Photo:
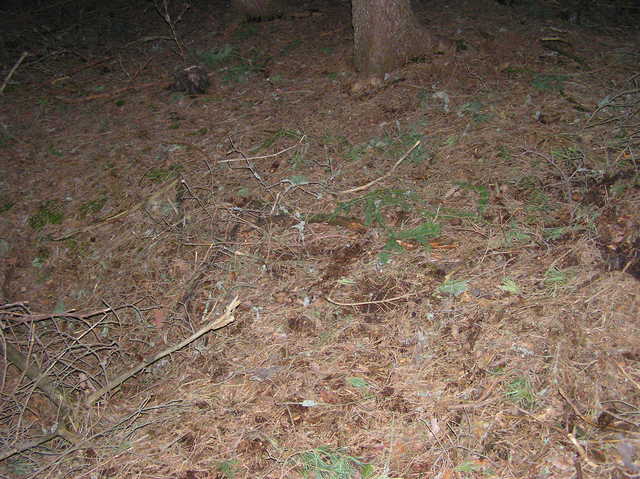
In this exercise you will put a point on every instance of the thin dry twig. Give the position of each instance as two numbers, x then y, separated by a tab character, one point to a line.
89	441
226	318
262	157
12	71
386	175
381	301
40	379
121	214
628	376
32	318
25	446
171	23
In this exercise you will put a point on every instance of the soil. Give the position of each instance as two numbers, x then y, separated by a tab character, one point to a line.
436	271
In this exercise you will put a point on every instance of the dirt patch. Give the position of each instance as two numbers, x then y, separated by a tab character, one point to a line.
437	273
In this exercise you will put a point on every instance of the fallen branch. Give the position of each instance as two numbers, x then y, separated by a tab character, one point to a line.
221	322
39	378
61	432
25	446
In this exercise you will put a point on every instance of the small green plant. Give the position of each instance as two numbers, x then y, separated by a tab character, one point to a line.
509	286
240	72
226	469
5	138
244	33
477	111
289	47
450	140
570	158
212	58
77	248
55	152
454	287
327	463
423	98
483	195
504	154
419	154
362	385
275	136
199	132
5	204
393	146
90	208
297	160
555	279
38	262
468	467
420	234
539	202
516	234
556	233
49	213
355	152
521	393
373	203
545	82
514	70
160	175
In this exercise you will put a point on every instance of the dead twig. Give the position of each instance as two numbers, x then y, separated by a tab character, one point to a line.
121	214
88	442
226	318
39	378
171	22
12	71
386	175
382	301
32	318
25	446
278	153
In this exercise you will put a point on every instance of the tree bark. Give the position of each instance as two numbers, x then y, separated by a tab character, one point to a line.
386	35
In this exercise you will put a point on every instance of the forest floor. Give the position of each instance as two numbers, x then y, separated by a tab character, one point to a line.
436	276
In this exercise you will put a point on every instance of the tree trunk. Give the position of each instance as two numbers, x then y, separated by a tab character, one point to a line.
386	35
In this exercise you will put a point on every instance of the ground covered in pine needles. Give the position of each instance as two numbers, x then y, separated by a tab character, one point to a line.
299	273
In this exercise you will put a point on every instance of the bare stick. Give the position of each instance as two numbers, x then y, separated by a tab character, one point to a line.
382	301
386	175
166	16
265	156
69	315
12	71
23	446
41	381
221	322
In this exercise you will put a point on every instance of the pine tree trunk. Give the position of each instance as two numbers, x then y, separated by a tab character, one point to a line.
386	35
